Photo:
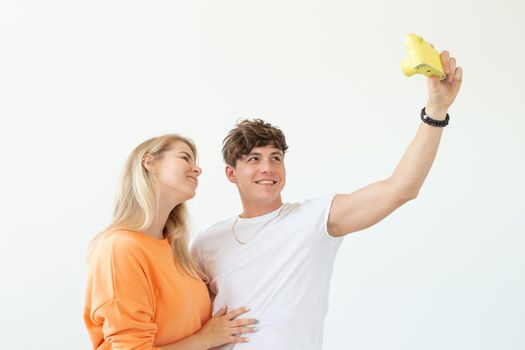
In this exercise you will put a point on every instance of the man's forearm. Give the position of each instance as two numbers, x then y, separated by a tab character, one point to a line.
413	168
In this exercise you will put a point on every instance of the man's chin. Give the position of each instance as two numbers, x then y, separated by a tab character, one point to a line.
267	198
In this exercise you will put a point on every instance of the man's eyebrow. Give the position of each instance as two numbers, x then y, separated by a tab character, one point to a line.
253	154
279	153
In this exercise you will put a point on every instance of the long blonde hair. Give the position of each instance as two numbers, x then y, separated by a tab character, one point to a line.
137	202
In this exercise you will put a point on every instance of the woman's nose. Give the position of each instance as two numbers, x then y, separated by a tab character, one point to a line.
197	170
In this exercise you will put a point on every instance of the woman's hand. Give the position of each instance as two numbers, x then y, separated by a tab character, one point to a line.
224	328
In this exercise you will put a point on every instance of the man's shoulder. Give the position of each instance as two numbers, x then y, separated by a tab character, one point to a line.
319	203
214	231
217	228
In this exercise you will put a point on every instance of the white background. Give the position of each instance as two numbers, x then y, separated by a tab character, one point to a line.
82	83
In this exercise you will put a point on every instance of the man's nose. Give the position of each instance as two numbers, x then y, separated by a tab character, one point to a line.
266	166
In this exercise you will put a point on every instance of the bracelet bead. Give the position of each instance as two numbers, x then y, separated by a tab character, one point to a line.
433	122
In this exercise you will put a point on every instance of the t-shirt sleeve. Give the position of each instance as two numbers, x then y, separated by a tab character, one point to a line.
121	297
318	210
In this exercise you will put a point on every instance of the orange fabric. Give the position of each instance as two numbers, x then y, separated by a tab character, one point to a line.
136	297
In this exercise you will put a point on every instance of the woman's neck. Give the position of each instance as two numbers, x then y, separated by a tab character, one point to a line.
156	229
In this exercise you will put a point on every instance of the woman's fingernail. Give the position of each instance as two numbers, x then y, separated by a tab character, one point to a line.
255	321
246	309
255	329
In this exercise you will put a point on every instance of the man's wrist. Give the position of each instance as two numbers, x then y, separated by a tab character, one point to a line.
436	112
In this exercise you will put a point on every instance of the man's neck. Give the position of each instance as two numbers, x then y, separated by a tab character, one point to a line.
252	209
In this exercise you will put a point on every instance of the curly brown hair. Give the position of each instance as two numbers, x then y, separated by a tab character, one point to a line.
248	134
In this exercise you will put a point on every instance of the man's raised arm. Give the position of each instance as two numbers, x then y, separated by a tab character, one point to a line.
369	205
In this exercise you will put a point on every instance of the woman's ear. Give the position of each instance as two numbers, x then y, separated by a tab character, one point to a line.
147	162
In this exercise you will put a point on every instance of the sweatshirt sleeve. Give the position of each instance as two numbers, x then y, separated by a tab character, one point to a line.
126	324
121	296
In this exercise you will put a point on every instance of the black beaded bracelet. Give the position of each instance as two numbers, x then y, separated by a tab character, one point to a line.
433	122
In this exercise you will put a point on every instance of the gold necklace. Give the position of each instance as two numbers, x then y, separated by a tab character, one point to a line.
237	218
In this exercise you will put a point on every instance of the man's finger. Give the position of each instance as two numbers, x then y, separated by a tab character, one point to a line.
445	55
459	74
452	69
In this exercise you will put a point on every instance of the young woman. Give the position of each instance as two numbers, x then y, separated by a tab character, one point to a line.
143	290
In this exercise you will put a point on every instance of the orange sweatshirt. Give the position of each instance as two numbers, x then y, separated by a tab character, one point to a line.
136	297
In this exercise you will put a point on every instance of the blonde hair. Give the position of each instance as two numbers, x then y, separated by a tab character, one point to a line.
137	202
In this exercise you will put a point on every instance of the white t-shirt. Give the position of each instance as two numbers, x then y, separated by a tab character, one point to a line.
282	274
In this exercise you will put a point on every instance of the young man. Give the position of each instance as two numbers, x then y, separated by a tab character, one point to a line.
277	258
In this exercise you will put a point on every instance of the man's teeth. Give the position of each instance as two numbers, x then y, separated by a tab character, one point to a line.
265	182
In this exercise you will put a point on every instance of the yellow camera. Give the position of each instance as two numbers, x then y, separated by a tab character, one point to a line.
422	58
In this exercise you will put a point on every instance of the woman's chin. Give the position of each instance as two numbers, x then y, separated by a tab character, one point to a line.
190	195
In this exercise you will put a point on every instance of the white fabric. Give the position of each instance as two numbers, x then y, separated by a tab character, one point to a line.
282	274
